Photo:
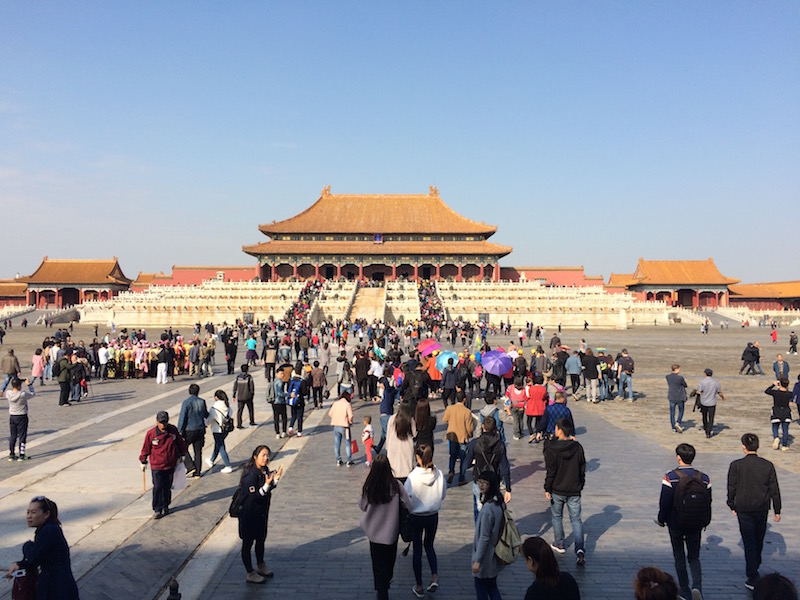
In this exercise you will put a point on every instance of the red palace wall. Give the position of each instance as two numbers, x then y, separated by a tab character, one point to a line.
196	276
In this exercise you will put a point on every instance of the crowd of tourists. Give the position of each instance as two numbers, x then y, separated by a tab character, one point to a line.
532	392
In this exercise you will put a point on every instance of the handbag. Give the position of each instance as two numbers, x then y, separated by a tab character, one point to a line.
179	477
353	446
24	585
236	505
406	530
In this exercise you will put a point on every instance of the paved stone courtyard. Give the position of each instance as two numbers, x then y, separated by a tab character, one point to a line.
85	458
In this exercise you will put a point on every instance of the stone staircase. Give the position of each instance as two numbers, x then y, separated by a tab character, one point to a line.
370	304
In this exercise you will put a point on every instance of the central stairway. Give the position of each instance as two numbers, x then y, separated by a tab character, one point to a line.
370	304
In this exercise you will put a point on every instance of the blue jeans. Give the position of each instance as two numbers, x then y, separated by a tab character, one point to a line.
6	379
384	423
672	407
339	434
486	589
557	511
457	452
219	448
76	392
784	434
623	379
603	391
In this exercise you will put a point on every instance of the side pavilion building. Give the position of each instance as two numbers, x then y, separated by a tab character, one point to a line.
60	283
381	238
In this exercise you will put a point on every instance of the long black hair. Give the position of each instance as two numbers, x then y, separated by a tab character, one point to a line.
539	551
403	421
251	462
47	505
380	485
221	395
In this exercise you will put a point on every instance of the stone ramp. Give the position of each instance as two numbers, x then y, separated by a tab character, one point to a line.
370	304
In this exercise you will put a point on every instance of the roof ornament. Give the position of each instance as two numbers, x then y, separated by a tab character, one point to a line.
326	191
434	191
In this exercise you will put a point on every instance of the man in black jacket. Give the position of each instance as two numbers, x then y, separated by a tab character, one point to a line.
489	452
563	483
244	392
752	486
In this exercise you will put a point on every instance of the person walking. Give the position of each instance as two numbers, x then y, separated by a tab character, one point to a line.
551	583
244	390
752	487
563	485
47	554
685	509
220	410
37	366
380	500
708	389
488	451
255	495
625	368
10	367
485	564
460	427
400	434
341	415
780	367
192	425
781	412
18	417
516	398
278	401
676	394
426	488
163	446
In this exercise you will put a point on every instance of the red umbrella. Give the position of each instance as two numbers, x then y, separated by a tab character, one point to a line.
428	346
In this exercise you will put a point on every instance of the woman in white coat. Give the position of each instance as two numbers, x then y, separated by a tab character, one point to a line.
220	409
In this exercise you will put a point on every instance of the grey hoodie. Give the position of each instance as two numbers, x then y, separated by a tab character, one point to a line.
18	401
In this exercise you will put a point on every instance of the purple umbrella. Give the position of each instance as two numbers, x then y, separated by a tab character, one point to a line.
496	362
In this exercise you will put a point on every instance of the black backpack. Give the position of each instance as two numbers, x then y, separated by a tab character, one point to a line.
57	368
414	390
691	504
558	370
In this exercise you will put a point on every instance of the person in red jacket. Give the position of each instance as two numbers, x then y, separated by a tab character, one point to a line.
164	446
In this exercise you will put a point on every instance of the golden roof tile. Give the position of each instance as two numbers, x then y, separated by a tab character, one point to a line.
78	272
679	272
378	213
775	289
368	248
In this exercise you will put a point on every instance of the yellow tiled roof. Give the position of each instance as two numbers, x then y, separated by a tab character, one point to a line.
78	272
620	280
12	288
777	289
378	213
369	248
679	272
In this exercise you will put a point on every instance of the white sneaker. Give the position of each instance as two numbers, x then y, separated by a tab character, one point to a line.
776	443
290	432
277	436
299	434
209	462
226	470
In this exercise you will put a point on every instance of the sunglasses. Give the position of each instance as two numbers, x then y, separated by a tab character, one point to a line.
45	500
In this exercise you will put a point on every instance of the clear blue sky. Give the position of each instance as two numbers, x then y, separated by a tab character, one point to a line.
590	133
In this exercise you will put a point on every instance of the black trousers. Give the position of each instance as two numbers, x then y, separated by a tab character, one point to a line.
247	559
240	411
708	418
279	417
316	394
448	396
269	371
195	438
162	489
373	386
692	553
363	388
383	559
576	382
63	396
18	425
753	527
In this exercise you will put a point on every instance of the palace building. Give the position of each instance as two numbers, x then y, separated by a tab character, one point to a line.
60	283
379	238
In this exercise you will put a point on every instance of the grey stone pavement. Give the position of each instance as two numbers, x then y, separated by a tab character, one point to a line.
85	458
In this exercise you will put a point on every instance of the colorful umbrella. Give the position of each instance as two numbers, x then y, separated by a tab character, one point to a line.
496	362
428	346
441	360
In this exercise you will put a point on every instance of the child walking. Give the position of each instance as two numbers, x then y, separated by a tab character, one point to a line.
367	438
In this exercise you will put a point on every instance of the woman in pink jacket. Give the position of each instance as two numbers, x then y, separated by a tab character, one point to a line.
38	366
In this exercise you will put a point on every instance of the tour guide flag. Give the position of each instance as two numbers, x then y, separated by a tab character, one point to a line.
377	349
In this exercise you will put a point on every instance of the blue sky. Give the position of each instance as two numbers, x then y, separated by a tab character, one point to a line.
589	133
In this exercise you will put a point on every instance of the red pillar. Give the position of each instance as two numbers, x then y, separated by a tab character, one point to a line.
316	271
459	277
438	272
394	272
361	272
59	299
273	273
695	298
294	270
338	271
496	272
416	272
